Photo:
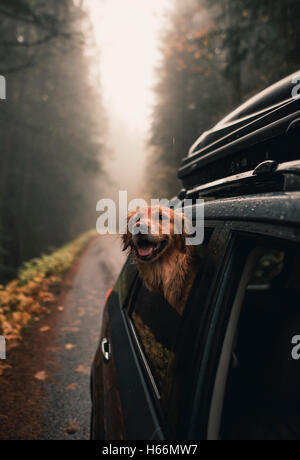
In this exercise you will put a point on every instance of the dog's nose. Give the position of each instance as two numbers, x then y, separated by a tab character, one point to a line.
140	228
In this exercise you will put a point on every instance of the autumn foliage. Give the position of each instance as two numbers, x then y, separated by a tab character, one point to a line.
32	293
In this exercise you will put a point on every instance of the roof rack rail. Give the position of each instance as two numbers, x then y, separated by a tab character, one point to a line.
269	176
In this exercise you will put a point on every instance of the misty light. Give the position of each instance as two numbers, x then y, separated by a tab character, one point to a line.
128	35
128	32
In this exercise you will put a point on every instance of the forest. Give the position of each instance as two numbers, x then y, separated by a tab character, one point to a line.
51	128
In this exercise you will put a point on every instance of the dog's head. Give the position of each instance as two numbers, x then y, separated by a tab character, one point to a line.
154	231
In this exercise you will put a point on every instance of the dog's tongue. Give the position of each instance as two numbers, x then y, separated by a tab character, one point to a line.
143	252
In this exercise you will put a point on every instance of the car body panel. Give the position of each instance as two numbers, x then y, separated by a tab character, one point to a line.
120	394
108	420
274	207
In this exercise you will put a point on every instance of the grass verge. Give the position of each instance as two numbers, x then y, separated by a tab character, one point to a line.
32	292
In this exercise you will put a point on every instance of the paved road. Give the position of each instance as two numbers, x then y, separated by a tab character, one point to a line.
67	398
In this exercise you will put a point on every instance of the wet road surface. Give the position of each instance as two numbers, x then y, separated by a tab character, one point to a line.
67	398
45	391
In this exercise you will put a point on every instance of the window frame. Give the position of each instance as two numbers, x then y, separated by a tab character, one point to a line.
217	228
239	231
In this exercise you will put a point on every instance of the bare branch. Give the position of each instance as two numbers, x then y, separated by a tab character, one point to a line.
26	14
27	43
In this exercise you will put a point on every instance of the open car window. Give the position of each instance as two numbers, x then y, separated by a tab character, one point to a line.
158	328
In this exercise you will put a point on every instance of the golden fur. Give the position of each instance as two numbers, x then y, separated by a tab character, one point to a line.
171	270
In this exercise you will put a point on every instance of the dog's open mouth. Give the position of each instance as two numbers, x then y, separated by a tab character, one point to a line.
147	250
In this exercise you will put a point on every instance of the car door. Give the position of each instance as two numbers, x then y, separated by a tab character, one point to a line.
249	375
144	381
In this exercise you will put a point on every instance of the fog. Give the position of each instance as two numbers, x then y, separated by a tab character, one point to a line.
127	35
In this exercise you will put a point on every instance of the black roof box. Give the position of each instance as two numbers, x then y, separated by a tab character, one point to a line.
267	127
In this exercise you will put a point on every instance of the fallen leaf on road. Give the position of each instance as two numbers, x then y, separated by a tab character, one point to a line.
71	427
83	369
11	344
72	386
42	375
45	329
47	297
53	349
3	367
69	346
60	308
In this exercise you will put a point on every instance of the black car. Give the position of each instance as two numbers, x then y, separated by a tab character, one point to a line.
235	371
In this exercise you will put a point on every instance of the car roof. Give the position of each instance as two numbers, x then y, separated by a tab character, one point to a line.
280	207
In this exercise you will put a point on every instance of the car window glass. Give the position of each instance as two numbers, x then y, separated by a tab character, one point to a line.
269	265
262	399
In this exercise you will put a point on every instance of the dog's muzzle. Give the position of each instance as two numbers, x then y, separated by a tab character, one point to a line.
148	247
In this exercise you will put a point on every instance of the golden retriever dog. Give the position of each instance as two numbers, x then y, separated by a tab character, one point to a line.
165	263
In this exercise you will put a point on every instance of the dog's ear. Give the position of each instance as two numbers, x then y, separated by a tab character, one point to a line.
126	240
127	237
